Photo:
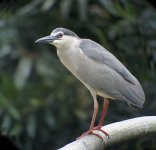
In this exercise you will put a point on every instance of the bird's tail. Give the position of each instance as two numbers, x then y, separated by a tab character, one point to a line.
135	95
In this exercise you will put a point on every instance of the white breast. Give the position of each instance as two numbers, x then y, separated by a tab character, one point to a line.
67	58
68	55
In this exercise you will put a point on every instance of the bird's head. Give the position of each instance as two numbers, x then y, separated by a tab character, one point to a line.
59	37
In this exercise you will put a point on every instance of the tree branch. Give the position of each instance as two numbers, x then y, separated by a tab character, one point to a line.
119	132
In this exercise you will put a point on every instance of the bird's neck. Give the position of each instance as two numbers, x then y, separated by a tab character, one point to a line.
67	54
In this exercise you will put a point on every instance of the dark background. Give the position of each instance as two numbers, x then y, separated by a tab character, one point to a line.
42	105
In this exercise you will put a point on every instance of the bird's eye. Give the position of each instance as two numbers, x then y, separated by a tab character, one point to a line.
60	35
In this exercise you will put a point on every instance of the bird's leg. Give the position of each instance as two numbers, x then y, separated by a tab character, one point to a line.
103	114
104	111
96	106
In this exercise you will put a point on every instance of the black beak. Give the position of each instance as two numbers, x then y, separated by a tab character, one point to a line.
47	39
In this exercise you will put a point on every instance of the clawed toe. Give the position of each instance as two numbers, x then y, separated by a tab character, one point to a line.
91	132
103	131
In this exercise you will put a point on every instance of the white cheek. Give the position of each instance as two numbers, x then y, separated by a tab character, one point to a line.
56	42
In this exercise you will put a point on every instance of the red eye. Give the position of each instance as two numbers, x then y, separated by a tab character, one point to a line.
60	35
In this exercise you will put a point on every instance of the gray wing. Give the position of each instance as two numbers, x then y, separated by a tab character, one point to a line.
113	78
97	53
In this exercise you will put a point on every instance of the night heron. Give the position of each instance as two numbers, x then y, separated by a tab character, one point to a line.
99	70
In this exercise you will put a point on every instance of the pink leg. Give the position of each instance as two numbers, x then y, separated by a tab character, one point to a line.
96	106
103	114
104	111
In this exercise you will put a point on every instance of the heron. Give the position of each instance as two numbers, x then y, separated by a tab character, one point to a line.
98	69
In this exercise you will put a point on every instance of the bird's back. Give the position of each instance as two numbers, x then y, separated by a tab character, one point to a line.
106	74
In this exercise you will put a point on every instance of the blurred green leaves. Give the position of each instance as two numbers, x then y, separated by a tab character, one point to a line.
41	103
22	72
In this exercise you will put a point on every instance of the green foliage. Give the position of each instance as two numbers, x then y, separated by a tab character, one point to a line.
41	104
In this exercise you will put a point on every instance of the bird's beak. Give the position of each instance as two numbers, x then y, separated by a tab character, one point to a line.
47	39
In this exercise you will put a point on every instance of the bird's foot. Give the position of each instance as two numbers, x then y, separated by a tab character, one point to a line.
103	131
91	132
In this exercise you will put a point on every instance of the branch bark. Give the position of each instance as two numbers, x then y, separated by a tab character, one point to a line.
119	132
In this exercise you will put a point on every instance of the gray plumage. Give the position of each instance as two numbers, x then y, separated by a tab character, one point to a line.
99	70
65	31
110	75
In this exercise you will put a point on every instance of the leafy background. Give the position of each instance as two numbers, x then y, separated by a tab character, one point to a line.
43	106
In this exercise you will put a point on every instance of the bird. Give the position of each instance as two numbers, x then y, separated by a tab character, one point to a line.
99	70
